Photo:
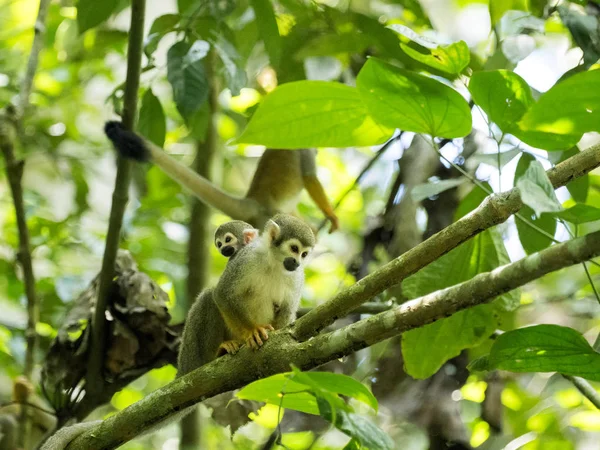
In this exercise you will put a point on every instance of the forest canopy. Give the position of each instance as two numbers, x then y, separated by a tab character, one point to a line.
443	153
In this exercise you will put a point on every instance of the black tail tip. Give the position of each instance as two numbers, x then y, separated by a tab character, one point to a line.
128	144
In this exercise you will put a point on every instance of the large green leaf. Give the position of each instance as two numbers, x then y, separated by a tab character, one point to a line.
402	99
543	348
579	214
267	28
531	239
152	122
506	97
91	13
338	384
585	29
159	28
313	114
451	58
446	338
569	107
185	72
357	426
296	395
536	189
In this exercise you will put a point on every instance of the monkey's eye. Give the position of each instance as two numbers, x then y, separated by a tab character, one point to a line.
219	244
304	254
294	248
228	239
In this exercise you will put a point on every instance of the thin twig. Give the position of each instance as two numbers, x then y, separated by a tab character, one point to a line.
94	376
586	389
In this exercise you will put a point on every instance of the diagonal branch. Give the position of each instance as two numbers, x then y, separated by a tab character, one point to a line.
493	210
94	378
231	372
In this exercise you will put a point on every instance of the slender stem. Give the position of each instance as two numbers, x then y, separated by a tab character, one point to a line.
586	389
32	64
94	377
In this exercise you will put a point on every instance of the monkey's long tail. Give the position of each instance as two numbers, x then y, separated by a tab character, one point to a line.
128	144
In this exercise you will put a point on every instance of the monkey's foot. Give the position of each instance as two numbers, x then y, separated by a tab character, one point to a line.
257	335
230	347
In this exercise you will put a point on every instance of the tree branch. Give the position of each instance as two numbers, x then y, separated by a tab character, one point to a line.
493	210
94	374
586	389
231	372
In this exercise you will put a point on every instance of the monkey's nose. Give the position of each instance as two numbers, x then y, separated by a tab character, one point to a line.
227	251
290	264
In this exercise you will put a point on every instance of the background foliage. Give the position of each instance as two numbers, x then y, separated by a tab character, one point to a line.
405	65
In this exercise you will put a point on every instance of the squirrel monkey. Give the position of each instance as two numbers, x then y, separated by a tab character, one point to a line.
279	178
205	332
260	288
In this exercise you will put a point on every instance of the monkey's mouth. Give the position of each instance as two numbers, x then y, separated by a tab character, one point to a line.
290	264
227	251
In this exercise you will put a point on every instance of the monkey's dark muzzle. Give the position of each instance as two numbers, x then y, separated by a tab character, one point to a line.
290	264
227	251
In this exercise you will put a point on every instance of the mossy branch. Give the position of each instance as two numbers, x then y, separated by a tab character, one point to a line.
94	375
231	372
493	210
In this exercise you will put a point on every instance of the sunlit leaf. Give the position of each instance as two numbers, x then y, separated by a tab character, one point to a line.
544	348
91	13
451	58
499	7
570	107
295	395
152	124
398	98
313	114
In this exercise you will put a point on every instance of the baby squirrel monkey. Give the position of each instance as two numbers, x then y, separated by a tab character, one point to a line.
279	179
205	333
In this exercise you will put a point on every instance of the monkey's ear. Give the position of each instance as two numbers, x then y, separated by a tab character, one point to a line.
249	235
272	230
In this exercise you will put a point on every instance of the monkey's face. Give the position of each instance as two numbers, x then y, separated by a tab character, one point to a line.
292	254
227	244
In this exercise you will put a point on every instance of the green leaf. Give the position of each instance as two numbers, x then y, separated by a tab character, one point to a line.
446	338
398	98
356	426
491	159
313	114
472	200
422	191
185	72
451	58
545	348
161	26
569	107
499	7
337	384
91	13
506	97
296	395
531	239
579	214
234	69
267	29
537	191
152	122
409	33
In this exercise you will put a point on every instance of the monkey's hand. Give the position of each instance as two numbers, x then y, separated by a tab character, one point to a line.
230	347
335	223
257	335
